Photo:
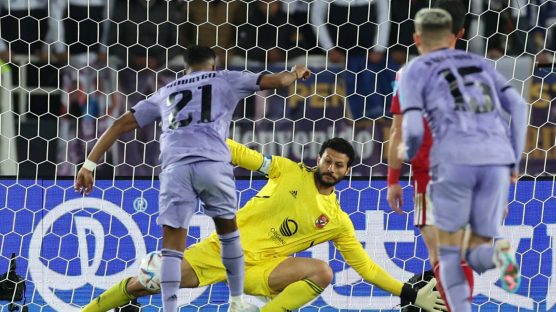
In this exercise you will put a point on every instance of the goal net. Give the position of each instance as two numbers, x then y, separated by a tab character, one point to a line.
70	68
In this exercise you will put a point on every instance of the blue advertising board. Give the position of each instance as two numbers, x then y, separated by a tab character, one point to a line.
70	248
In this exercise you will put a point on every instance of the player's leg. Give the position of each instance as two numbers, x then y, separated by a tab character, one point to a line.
467	269
429	235
189	279
232	255
113	297
173	243
480	253
424	221
177	203
297	281
130	288
215	185
454	282
451	192
486	217
423	217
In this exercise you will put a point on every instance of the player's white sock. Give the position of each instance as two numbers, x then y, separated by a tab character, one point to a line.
236	299
232	258
480	258
170	276
453	279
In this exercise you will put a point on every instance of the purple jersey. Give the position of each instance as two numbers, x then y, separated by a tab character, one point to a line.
468	105
196	111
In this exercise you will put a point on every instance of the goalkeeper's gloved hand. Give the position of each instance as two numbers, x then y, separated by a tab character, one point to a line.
426	298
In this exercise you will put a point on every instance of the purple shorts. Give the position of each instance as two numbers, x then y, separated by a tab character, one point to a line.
474	195
183	186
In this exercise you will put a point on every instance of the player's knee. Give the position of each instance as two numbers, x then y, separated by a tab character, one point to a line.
323	274
428	234
433	256
225	225
189	278
328	275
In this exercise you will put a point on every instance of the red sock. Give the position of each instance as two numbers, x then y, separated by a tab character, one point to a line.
468	272
436	269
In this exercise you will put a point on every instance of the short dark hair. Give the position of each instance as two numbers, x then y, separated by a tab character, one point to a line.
195	55
433	25
456	9
339	145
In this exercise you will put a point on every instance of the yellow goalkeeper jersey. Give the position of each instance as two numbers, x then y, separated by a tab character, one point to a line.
289	215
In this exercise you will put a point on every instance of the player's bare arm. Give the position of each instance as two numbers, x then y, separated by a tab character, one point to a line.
518	109
284	79
395	193
126	123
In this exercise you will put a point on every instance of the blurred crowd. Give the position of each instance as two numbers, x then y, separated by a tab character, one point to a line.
107	55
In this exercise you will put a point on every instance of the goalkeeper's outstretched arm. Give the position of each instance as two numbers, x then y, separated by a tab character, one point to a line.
426	298
359	260
124	124
245	157
252	160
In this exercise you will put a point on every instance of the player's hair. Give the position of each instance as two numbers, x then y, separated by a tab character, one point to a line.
339	145
457	11
196	55
433	25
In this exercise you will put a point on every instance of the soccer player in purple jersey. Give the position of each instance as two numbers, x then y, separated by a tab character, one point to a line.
196	111
478	123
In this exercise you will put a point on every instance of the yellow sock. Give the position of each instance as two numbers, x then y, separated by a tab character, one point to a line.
293	297
112	298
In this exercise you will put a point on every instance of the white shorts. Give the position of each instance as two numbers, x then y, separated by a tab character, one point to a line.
183	186
422	206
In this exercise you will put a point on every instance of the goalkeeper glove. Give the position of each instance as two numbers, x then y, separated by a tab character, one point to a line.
426	298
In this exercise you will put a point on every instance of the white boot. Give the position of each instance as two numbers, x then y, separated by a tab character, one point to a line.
238	305
242	307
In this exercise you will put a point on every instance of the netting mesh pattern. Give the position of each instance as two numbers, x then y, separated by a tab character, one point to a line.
70	68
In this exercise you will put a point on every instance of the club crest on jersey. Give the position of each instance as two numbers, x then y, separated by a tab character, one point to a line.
321	221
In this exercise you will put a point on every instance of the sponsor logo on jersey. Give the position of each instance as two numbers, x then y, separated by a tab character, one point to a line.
288	227
276	237
321	221
294	194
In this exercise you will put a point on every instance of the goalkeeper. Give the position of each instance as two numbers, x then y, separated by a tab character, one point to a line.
295	210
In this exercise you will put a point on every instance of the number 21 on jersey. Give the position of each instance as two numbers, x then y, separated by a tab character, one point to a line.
187	98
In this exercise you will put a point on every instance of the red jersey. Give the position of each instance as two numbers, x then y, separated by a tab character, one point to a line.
420	163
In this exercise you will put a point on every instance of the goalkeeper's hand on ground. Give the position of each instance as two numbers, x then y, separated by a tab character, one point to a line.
426	298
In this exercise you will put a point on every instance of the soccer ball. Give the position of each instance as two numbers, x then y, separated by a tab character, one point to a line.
149	271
